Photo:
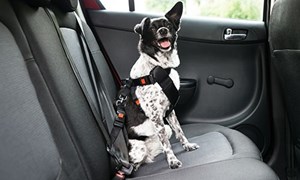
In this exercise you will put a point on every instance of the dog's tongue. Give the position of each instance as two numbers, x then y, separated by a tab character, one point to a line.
165	44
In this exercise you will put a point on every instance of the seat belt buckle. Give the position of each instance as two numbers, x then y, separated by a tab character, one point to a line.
123	167
127	168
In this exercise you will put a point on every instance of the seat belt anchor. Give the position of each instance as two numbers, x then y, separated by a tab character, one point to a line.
119	176
127	168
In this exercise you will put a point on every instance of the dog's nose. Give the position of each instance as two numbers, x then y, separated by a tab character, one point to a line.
163	31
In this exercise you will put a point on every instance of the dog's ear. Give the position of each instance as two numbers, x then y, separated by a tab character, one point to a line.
175	14
144	25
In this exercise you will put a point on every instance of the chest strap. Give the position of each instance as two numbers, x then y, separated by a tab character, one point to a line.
157	75
160	76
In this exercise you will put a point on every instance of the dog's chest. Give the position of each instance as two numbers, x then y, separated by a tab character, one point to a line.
152	99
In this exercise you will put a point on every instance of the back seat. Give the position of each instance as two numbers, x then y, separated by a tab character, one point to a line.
47	128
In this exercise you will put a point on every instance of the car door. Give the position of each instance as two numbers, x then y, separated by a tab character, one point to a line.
223	70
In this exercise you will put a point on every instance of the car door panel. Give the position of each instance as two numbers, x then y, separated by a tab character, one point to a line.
208	63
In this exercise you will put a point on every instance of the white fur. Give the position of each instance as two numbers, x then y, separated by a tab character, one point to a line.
155	103
147	150
145	129
145	64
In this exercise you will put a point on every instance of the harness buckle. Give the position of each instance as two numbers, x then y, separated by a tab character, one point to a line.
119	122
120	119
143	81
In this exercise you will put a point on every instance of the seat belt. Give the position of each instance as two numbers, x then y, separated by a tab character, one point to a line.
122	166
101	87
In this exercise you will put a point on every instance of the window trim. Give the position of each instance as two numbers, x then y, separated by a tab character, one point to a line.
265	14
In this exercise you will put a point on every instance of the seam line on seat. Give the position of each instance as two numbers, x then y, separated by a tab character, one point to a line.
231	145
29	59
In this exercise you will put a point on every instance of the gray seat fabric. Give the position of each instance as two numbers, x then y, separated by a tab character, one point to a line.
217	143
48	131
284	40
87	150
27	147
232	143
245	169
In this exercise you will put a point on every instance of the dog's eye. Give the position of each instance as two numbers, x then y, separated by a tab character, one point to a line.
169	26
152	29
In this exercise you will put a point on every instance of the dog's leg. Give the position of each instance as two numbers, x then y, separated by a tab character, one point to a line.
173	122
163	137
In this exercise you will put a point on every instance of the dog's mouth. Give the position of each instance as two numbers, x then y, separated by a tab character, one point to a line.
164	43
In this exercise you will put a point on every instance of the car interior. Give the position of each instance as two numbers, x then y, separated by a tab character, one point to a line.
62	63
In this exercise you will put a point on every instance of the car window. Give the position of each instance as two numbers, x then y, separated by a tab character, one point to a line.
235	9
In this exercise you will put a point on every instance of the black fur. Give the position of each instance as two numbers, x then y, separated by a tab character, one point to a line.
148	31
157	47
134	116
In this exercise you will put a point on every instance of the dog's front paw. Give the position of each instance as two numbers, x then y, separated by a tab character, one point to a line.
175	163
190	146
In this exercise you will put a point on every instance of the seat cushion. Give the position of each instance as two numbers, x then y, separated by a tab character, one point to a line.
217	144
233	169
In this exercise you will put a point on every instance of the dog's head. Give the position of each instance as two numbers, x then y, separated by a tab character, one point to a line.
160	34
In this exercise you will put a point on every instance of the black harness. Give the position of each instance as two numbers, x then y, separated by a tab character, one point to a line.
157	75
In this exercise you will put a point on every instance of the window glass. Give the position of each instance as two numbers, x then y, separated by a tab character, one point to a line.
235	9
115	5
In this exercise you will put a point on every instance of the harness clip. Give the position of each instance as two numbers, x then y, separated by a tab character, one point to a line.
120	119
121	100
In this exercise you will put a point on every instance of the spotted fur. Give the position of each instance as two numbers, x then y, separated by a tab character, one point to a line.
157	47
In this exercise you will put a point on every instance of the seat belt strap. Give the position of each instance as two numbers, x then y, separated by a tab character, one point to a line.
78	77
126	167
100	84
121	164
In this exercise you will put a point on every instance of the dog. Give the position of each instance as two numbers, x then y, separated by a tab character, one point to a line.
148	135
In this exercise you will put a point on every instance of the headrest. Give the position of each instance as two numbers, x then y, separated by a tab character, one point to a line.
66	5
38	3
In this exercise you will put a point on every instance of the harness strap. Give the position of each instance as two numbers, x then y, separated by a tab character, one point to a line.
160	76
157	75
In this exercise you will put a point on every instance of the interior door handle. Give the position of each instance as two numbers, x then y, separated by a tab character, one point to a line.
229	35
220	81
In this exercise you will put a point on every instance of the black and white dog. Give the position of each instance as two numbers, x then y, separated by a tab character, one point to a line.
148	135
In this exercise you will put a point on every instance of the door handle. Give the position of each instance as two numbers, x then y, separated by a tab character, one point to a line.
220	81
230	36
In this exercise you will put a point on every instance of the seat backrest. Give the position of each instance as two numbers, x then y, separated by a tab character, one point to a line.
28	149
284	37
59	128
61	82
